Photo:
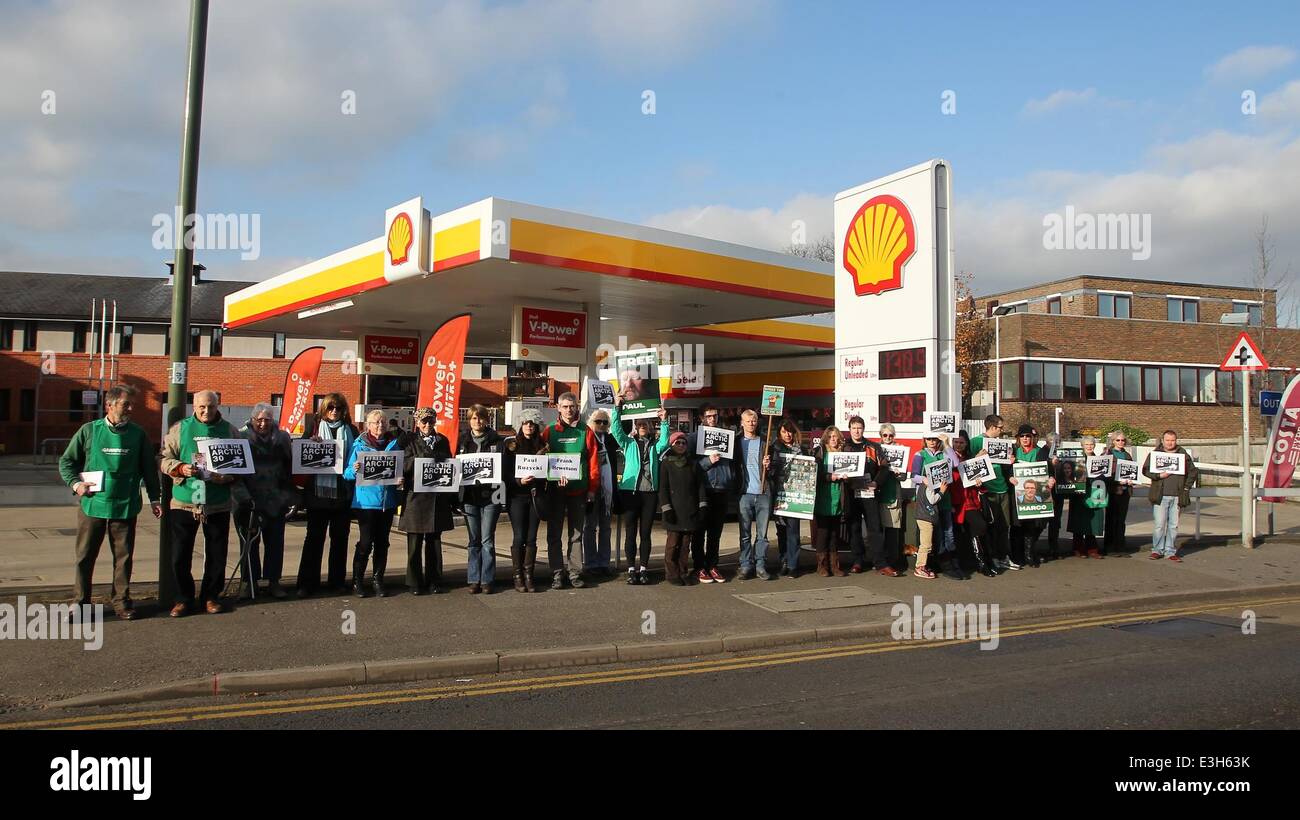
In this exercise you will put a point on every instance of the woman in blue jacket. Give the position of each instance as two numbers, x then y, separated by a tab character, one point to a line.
375	504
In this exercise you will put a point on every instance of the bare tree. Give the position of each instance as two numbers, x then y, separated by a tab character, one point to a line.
822	249
1267	278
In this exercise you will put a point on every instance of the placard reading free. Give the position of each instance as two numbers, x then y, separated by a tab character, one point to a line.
317	457
379	467
436	475
226	456
773	401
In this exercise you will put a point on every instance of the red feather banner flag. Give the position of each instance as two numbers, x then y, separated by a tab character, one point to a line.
440	375
298	384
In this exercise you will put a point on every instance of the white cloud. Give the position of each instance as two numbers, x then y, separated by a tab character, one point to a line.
1282	105
1060	99
1205	195
1250	62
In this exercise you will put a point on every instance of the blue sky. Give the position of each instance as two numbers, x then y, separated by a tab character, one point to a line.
763	111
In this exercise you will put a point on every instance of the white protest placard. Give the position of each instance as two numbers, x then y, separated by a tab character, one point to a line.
317	457
1164	462
226	456
1101	466
850	465
94	481
564	465
530	466
597	395
436	475
938	472
1127	472
999	450
379	468
479	468
941	422
715	440
976	469
898	456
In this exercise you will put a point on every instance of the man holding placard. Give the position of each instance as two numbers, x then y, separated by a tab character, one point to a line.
719	491
1172	473
755	469
999	492
104	464
568	497
199	498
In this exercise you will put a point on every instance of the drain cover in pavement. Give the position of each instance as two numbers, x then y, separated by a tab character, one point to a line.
1181	628
804	600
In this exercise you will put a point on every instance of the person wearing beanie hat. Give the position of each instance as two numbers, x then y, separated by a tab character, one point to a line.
682	501
525	497
639	486
425	516
1024	534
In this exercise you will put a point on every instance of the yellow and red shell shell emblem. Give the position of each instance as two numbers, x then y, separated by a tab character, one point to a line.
880	239
400	237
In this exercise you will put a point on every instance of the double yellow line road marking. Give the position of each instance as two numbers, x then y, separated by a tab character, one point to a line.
157	717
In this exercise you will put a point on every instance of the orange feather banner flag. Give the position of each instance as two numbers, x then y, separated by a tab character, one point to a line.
440	375
298	389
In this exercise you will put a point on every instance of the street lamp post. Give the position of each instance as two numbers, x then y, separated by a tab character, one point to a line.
181	270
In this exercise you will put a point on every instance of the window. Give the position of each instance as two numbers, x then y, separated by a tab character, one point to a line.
1114	305
126	341
214	349
1114	383
7	334
277	399
196	335
1011	381
1169	384
1224	384
1092	388
29	335
1256	312
277	350
1187	387
79	337
1151	384
1052	381
74	406
1132	383
4	404
1072	392
27	405
1033	381
1184	310
1054	305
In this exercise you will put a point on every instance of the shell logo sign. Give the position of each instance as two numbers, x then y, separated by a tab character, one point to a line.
400	237
881	239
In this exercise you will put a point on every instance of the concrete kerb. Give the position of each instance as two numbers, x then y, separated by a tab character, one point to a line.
415	669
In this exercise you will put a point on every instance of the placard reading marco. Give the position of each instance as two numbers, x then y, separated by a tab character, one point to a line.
1032	497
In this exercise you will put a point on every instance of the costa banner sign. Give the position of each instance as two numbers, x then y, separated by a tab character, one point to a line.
298	389
444	358
1282	451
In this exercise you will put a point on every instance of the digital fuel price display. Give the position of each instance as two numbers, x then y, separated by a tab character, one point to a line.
902	408
908	363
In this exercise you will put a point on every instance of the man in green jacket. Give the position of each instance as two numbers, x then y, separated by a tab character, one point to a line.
199	498
104	465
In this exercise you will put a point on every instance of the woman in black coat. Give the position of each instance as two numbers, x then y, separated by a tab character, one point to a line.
525	497
425	516
682	500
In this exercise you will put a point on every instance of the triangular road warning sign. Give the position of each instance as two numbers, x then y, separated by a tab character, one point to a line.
1244	355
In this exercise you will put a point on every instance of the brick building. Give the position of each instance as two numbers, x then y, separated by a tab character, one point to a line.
1137	351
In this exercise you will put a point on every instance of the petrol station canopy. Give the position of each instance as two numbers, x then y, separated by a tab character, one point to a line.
643	285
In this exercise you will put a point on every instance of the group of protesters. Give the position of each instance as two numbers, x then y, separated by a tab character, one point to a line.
635	474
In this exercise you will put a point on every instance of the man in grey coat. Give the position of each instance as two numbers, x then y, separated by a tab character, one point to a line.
1169	493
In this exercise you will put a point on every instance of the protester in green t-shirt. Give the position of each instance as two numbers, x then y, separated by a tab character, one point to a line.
116	453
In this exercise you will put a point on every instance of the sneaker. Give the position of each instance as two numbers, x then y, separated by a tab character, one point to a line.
1013	565
1175	558
761	574
717	577
576	582
557	581
643	576
1094	554
632	578
1155	556
888	572
922	572
704	577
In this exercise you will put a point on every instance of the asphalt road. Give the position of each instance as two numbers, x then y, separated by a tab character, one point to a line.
1190	668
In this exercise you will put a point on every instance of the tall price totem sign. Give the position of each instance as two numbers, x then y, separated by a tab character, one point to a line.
894	302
